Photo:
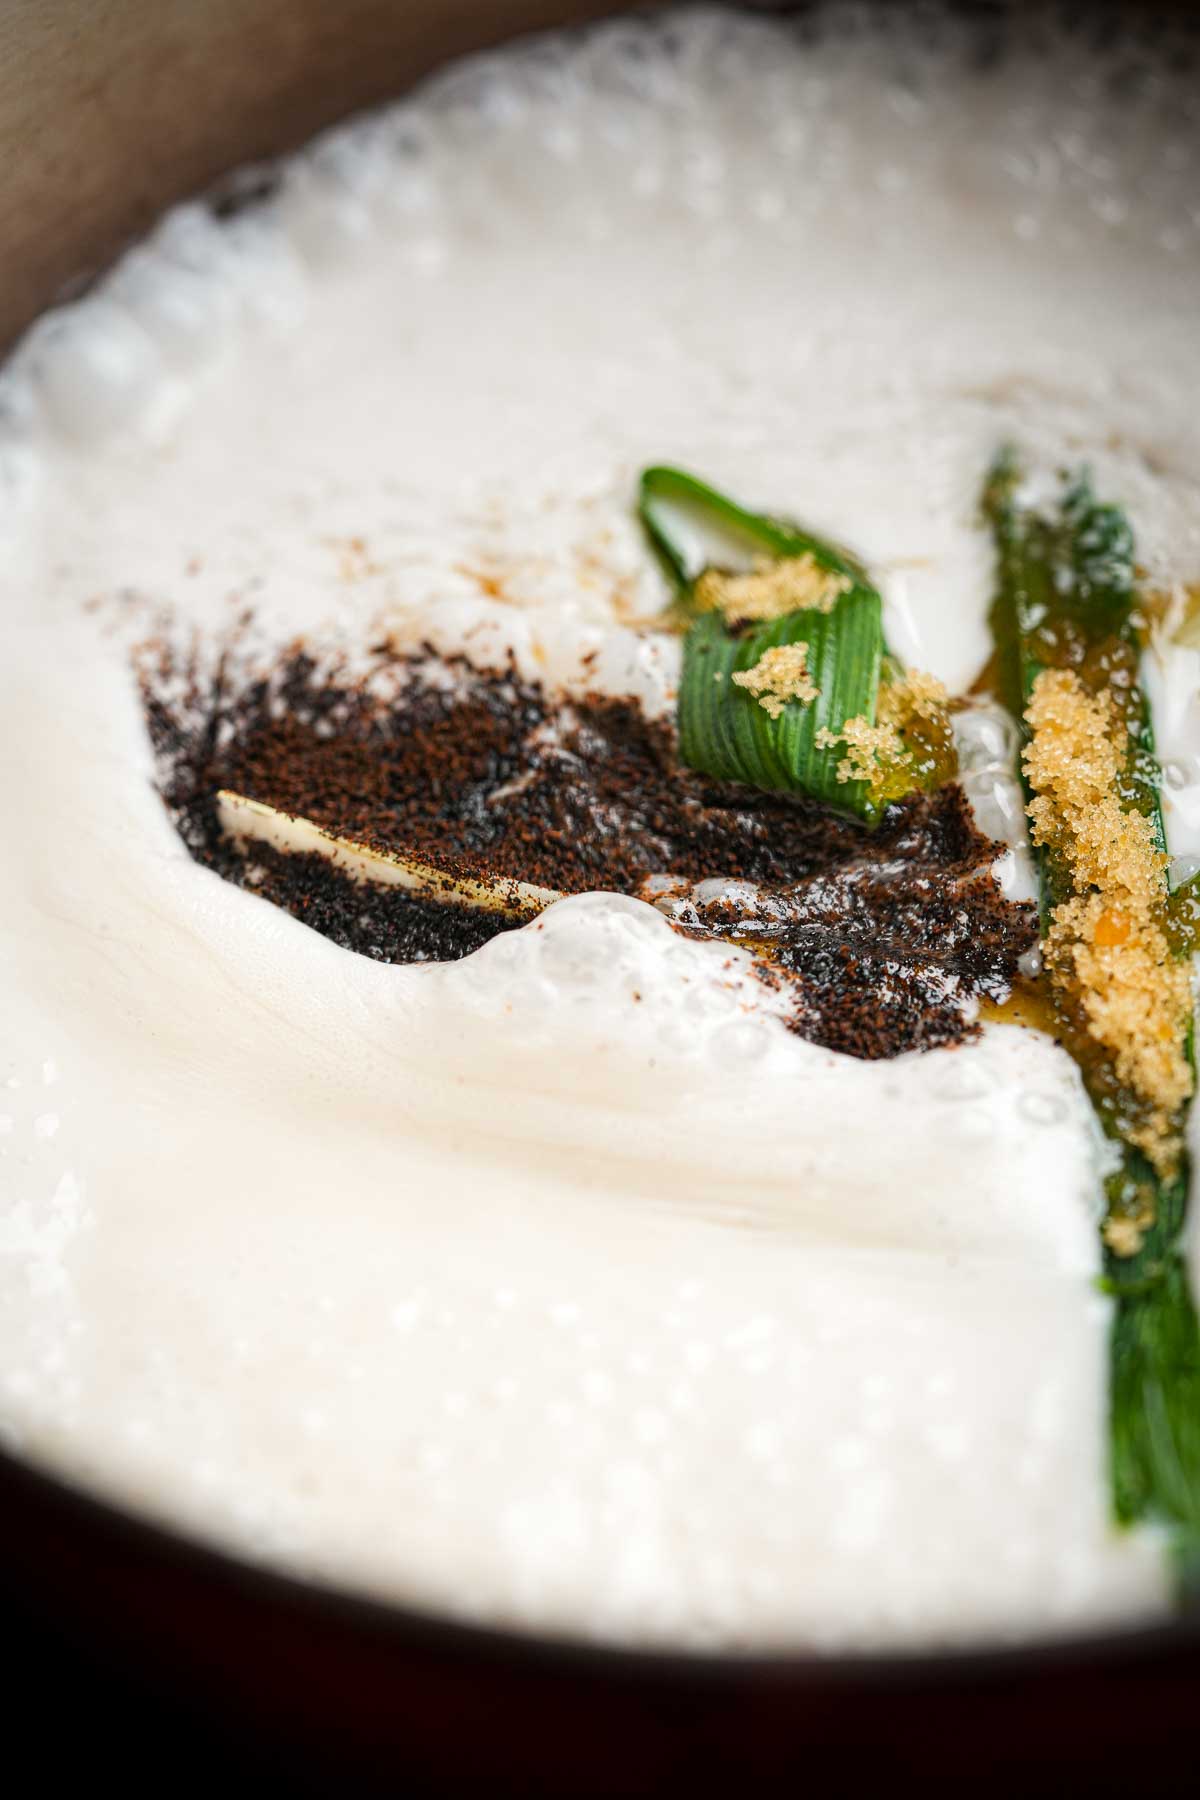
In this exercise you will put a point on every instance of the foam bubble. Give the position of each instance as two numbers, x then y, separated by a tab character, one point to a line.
95	368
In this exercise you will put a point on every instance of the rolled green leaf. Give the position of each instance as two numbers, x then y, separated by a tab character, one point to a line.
724	730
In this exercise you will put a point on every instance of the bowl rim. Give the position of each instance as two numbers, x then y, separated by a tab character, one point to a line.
90	1515
35	1490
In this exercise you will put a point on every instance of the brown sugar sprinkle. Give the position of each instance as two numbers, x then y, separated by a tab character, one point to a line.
780	674
890	935
911	739
1107	952
869	749
772	588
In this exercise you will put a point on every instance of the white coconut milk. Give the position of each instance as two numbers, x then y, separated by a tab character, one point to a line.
562	1287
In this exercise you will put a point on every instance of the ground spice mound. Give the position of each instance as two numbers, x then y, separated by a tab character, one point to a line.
888	942
374	921
889	935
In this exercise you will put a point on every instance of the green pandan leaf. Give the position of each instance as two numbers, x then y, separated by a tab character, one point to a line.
723	728
1066	574
670	501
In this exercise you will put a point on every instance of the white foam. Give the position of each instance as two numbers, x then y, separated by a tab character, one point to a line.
563	1286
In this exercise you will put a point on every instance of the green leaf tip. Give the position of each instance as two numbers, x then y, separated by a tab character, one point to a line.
669	497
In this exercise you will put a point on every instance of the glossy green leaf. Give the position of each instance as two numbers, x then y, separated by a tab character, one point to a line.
1074	568
723	730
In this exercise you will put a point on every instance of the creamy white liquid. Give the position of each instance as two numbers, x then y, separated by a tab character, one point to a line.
563	1287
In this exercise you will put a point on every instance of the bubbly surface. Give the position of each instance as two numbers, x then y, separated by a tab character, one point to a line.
561	1286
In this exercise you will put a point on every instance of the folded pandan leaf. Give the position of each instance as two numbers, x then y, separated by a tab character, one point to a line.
748	712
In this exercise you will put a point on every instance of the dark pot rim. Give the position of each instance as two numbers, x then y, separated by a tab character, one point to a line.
62	1504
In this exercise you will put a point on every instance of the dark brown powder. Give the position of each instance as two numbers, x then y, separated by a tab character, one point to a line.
381	922
886	933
